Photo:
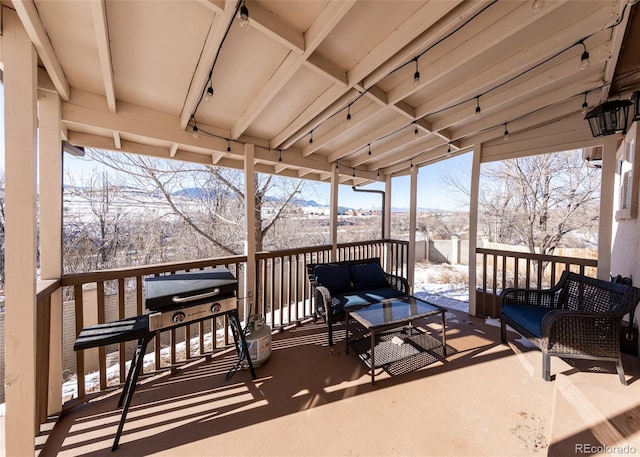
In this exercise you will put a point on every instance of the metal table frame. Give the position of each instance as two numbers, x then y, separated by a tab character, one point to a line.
137	328
390	323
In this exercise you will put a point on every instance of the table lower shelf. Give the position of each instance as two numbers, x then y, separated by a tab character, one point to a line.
398	352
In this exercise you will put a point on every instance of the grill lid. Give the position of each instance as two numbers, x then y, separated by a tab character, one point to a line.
189	289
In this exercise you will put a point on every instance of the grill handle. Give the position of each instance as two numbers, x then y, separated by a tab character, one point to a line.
179	299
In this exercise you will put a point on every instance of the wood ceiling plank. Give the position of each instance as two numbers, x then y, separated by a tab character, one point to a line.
532	87
470	85
472	40
361	117
370	137
377	56
527	108
421	20
330	16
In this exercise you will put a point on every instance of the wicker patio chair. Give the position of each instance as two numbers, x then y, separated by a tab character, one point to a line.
580	317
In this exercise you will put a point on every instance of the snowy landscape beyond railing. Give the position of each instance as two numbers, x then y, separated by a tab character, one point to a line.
282	297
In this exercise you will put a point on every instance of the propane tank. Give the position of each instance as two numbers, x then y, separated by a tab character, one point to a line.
258	338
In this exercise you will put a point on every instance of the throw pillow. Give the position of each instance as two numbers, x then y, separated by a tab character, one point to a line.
334	277
368	276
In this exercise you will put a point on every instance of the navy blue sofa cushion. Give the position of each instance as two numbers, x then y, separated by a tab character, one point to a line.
336	278
367	276
362	297
529	317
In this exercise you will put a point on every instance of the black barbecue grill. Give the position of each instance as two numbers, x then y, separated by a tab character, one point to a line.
173	301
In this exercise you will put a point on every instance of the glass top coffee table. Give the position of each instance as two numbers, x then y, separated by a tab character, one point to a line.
385	321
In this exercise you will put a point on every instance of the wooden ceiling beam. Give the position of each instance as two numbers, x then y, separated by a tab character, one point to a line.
209	51
99	13
28	14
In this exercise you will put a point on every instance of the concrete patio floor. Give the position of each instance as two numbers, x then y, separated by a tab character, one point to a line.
486	399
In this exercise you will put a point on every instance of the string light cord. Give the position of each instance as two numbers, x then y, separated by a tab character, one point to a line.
413	60
476	97
215	59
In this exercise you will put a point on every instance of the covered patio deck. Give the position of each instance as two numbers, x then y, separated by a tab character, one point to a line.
310	399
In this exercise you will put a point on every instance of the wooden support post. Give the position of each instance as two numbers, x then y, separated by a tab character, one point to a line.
250	220
473	226
20	83
50	149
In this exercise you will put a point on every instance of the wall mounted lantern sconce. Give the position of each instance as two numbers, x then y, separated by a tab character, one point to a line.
636	105
609	117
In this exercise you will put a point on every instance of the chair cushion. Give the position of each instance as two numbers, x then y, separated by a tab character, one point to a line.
527	316
336	278
367	276
340	301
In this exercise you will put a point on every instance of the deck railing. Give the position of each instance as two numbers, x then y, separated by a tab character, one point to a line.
282	298
502	269
282	289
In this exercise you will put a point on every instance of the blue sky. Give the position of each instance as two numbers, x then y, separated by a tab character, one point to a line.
432	193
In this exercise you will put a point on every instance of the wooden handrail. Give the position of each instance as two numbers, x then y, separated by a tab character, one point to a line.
73	279
496	275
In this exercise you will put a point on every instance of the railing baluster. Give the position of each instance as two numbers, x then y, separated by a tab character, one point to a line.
102	351
121	346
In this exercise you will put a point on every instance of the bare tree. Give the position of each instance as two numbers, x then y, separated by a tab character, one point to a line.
536	201
96	234
214	208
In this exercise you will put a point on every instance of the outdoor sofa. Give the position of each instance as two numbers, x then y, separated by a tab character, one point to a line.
348	283
580	317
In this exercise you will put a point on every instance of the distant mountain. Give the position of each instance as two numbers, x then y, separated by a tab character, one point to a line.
199	192
208	193
420	210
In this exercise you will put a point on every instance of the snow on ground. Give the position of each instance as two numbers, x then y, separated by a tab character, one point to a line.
444	285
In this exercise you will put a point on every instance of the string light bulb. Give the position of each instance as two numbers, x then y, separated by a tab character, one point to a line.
416	75
209	92
228	147
369	148
584	58
244	16
448	149
311	138
505	137
585	105
478	110
537	5
349	115
280	157
195	133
